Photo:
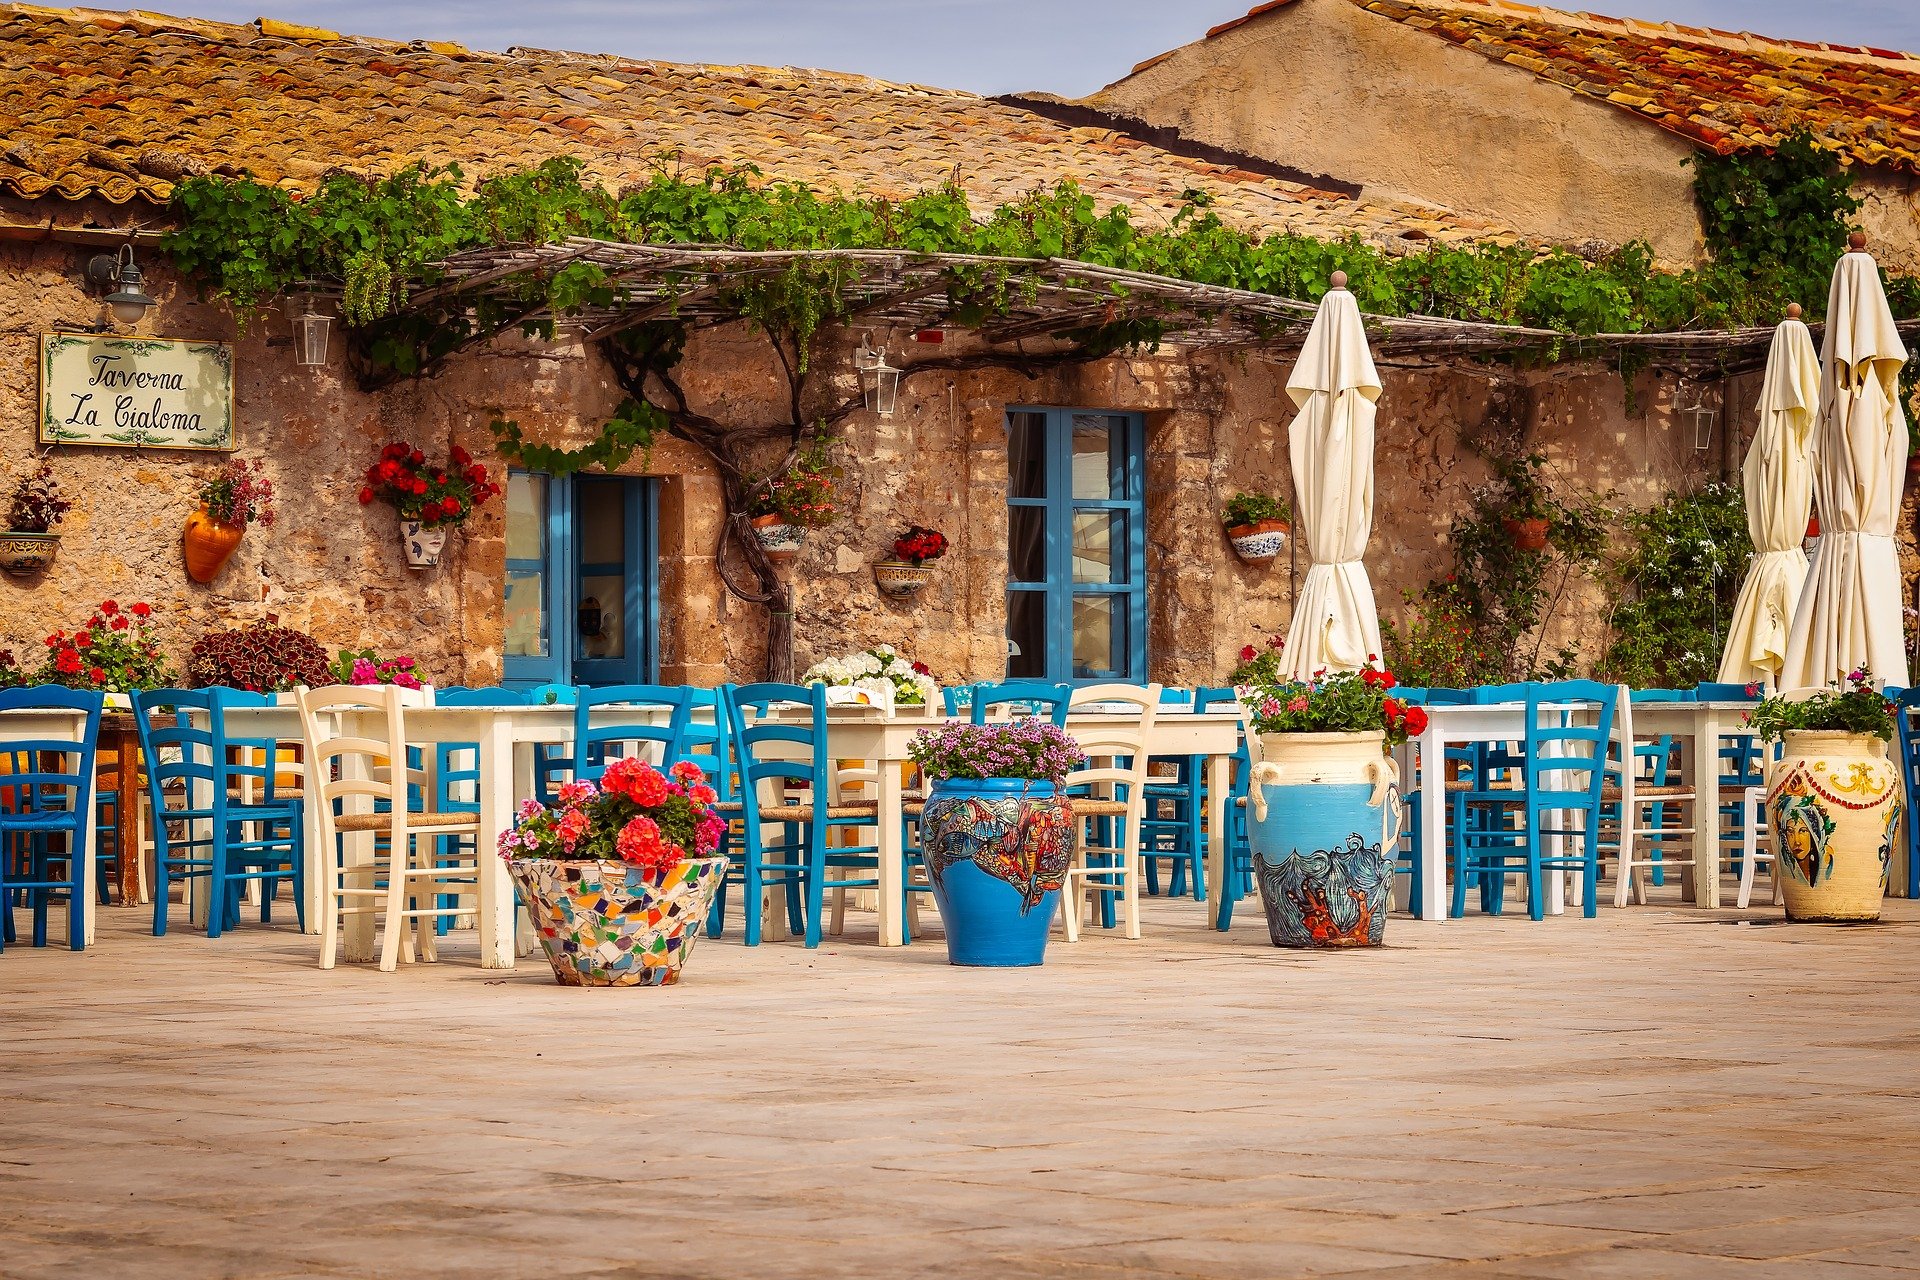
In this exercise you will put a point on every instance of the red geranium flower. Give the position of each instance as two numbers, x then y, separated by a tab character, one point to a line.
109	608
142	609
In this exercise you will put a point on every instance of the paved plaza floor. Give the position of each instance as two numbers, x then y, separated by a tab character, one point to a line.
1657	1092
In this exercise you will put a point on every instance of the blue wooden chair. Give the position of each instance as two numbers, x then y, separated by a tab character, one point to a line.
48	796
659	731
202	829
1034	697
456	779
1905	703
552	762
1562	774
957	699
784	838
1176	804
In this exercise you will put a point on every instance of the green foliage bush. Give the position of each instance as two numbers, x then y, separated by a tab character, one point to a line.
1675	589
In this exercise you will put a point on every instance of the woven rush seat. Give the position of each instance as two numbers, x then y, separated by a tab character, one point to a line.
284	793
1648	791
1456	786
415	821
804	812
1088	807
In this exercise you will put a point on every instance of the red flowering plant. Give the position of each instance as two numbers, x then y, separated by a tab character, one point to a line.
636	814
115	651
436	496
1339	702
239	493
919	544
1259	664
806	494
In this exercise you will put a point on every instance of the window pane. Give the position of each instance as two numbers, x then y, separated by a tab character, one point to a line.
1026	544
526	516
1099	546
1027	455
602	621
603	523
1097	637
1026	634
1096	456
526	614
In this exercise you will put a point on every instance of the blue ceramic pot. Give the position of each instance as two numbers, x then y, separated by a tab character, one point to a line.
1322	824
996	851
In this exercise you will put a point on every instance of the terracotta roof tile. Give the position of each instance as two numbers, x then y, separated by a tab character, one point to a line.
1722	90
118	105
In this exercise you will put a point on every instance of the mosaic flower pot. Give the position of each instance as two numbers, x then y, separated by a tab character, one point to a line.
208	544
607	924
901	578
1259	543
1323	814
996	851
27	552
1527	535
1833	802
780	540
423	545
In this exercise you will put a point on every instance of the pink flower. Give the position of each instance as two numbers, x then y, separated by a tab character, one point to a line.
573	794
573	824
701	793
1298	702
687	771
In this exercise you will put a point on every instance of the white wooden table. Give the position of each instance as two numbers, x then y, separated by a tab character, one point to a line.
55	724
863	733
1703	725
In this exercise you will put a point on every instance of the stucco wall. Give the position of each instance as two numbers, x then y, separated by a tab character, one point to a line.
1215	424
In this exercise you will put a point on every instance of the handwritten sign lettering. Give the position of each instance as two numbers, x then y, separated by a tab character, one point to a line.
155	393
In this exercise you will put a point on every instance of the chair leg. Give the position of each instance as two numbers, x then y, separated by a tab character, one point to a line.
398	860
1129	863
813	838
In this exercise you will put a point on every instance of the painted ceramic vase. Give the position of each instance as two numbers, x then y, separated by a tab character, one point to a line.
1323	824
900	578
208	543
1259	543
607	924
780	540
1833	802
423	545
996	851
27	552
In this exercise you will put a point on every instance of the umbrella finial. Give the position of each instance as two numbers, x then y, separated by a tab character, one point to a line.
1857	241
1793	311
1338	280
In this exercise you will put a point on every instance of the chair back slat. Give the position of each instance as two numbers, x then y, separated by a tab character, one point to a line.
58	795
774	753
1033	697
661	715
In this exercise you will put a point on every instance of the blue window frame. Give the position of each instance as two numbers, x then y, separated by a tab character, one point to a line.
1076	545
582	583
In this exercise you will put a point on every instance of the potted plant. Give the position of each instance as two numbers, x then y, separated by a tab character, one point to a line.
1833	798
430	499
33	510
1323	804
238	495
1529	511
115	652
617	878
364	666
996	834
780	509
883	670
265	658
1257	525
906	572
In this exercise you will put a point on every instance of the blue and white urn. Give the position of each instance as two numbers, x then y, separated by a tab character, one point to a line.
996	851
1323	823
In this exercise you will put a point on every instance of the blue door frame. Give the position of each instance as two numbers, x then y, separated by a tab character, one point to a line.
1060	588
552	566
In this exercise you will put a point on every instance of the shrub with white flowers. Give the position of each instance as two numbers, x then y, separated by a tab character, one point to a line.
877	669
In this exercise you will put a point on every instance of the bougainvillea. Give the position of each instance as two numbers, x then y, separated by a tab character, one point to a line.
636	815
114	651
436	496
264	657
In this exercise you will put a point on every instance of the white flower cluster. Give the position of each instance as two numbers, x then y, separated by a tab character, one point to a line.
874	669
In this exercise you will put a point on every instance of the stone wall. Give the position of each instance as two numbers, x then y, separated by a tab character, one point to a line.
1215	424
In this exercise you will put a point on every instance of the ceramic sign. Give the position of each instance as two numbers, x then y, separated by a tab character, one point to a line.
133	393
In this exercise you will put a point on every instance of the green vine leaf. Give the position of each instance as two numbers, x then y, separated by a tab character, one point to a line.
633	429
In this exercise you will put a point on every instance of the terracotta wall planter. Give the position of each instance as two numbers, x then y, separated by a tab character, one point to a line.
423	545
780	540
1527	535
208	544
901	578
27	552
1259	543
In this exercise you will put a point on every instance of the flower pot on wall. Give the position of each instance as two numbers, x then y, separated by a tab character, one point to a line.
900	578
1833	806
780	540
208	544
996	851
1259	543
1323	823
608	924
1527	535
27	552
423	545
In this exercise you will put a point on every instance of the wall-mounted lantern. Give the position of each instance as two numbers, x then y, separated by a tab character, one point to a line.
310	329
879	381
128	302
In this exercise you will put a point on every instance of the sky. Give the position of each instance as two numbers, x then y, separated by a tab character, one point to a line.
1069	47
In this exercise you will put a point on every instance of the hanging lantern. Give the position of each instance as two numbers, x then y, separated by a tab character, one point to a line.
310	329
1702	414
129	301
879	381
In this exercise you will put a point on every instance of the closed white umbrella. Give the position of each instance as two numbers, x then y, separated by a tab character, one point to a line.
1778	481
1336	389
1850	612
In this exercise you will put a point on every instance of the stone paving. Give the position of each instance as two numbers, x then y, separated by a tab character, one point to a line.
1657	1092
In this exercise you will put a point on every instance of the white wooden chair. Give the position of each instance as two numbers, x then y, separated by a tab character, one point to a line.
1115	781
1636	795
355	772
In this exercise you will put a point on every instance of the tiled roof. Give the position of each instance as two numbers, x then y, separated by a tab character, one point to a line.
120	104
1723	90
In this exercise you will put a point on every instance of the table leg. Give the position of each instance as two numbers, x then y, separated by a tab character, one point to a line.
1219	858
1701	878
501	775
89	909
893	857
126	815
1433	824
